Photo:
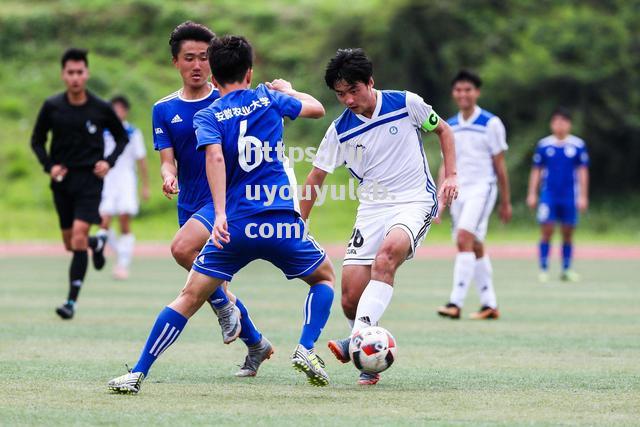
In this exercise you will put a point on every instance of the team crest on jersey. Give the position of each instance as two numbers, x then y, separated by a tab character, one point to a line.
91	128
570	151
393	130
550	151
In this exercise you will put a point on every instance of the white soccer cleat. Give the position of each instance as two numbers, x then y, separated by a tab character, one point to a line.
128	383
309	363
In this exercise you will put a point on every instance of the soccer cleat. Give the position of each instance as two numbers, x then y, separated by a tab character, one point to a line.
97	254
258	353
128	383
485	313
450	310
368	379
569	276
229	320
340	349
543	277
66	311
309	363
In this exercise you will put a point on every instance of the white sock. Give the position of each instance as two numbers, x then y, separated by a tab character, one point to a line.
351	322
483	276
372	304
112	240
462	275
125	250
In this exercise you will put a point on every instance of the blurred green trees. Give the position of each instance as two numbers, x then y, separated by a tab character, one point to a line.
532	55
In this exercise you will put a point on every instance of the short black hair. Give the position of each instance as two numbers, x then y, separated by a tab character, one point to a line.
467	76
189	30
74	54
562	112
350	65
122	100
230	57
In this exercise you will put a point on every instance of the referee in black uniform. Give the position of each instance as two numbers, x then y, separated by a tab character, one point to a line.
76	164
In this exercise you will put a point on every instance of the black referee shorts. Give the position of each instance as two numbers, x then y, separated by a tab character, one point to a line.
77	197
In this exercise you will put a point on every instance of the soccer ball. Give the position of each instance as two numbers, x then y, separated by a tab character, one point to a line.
372	349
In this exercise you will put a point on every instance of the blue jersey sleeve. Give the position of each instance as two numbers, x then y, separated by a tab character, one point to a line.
288	105
207	129
161	139
583	156
538	157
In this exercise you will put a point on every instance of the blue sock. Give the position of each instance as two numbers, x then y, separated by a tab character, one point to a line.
544	255
249	334
567	250
316	313
165	331
218	299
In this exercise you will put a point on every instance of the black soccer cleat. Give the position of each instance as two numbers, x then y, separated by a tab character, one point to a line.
450	310
97	254
66	311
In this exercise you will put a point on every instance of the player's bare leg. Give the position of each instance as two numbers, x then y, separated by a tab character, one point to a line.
231	313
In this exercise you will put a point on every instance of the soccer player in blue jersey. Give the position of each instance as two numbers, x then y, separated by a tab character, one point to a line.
241	134
183	173
560	172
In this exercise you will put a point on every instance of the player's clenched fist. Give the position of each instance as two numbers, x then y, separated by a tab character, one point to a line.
220	233
170	186
448	191
101	168
280	85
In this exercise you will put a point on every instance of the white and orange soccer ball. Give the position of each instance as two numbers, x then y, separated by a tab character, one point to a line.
372	349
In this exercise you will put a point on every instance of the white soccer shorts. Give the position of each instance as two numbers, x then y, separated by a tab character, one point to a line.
119	197
472	209
374	223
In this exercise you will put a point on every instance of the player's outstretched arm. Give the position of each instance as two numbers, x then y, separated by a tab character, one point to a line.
168	172
311	107
532	192
314	181
449	188
217	177
500	166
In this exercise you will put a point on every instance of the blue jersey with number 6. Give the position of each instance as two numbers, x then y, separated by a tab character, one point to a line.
248	124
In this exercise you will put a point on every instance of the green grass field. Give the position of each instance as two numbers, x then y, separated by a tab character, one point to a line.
563	354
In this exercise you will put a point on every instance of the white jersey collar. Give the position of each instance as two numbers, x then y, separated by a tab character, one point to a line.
181	91
476	112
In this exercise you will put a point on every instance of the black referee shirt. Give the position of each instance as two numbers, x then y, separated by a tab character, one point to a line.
76	132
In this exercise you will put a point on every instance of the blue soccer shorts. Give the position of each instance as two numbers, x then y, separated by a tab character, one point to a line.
553	211
275	236
205	214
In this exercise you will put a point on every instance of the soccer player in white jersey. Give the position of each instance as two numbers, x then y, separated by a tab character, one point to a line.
480	140
377	138
120	191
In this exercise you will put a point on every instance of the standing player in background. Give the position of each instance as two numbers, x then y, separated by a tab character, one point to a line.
377	138
480	140
239	133
561	173
76	163
182	168
120	192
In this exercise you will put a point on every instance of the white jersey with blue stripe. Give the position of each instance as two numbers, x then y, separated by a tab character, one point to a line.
477	140
384	152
